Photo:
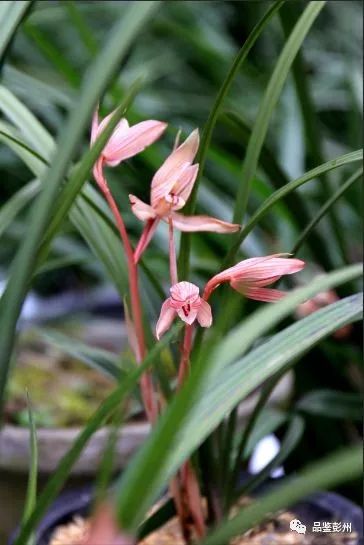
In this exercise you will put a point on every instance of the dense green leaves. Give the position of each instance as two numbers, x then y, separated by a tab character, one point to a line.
94	83
203	403
269	102
325	208
103	413
11	14
240	379
288	188
213	116
289	442
34	132
196	62
332	404
326	473
16	203
87	211
102	360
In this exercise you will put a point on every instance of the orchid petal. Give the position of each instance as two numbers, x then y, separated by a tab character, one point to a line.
162	186
127	143
121	127
273	267
257	268
95	125
165	320
261	282
204	314
187	317
140	209
97	128
256	272
193	224
185	183
266	295
167	175
121	130
184	292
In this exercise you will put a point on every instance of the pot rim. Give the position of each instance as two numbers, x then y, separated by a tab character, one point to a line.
53	443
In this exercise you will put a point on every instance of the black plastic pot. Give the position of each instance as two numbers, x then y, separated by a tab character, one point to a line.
320	507
69	504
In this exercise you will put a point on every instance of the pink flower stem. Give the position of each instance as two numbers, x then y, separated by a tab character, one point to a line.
186	488
146	382
183	512
145	238
172	253
185	356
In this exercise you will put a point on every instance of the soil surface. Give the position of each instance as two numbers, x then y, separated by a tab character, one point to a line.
63	390
275	531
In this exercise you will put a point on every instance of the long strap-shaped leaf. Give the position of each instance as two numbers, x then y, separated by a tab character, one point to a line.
329	472
169	443
31	495
102	69
88	214
269	102
11	14
278	178
33	131
325	208
211	122
16	203
240	379
286	190
104	361
313	137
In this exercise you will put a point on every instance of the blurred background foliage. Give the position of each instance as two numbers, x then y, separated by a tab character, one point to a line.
183	57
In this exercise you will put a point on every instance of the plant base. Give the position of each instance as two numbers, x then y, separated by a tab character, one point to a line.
275	531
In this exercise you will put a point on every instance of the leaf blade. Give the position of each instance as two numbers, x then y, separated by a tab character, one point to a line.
329	472
155	463
288	188
269	102
103	67
211	122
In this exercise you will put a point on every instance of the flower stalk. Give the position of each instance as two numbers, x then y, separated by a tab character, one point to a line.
146	382
171	187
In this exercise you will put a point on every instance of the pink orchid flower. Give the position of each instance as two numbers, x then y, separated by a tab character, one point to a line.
321	300
125	141
250	276
171	187
185	301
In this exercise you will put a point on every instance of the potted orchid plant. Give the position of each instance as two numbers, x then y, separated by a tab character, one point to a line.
171	187
195	502
225	331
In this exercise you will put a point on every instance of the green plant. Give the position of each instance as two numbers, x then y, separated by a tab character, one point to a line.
195	444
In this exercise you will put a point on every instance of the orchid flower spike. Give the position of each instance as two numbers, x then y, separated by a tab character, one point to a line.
171	187
125	141
250	276
185	301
